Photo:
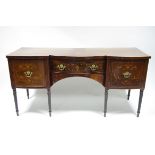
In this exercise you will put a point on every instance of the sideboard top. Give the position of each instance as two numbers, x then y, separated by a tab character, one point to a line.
79	52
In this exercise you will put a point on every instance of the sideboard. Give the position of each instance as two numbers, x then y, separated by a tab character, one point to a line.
114	68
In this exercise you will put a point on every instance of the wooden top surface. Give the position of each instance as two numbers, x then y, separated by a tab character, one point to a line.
79	52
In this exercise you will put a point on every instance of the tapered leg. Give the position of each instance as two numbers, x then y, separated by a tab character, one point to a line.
140	102
49	100
15	99
27	90
105	102
128	94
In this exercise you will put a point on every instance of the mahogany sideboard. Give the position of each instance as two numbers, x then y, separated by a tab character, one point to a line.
114	68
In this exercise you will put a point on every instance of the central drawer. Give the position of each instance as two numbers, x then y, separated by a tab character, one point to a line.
73	65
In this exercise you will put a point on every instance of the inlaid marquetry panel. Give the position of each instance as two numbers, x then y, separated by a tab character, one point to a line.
28	73
124	74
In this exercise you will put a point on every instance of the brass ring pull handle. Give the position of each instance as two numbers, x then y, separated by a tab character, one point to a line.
61	67
93	67
126	75
28	74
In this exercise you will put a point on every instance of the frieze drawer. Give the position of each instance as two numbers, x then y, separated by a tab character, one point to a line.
70	66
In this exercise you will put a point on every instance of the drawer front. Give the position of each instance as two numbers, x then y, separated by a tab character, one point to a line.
84	65
127	74
28	73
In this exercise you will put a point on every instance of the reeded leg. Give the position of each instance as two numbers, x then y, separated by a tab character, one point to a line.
27	90
105	102
49	100
128	94
15	99
140	102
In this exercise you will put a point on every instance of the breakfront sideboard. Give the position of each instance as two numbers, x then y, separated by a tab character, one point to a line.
114	68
